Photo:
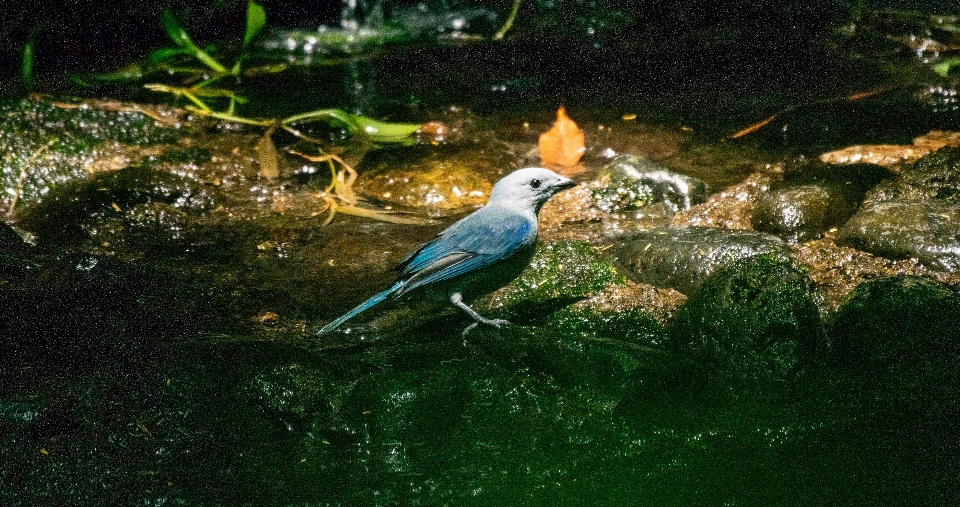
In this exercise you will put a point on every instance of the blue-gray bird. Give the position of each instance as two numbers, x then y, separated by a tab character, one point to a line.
478	254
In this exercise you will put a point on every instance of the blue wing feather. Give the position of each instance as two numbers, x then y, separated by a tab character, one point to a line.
476	234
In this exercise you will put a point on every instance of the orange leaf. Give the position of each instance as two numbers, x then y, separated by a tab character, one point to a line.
563	144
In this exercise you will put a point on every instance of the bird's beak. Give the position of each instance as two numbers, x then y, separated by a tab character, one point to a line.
565	183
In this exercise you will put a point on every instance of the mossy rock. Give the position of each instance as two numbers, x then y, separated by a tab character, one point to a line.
754	321
51	145
559	274
904	330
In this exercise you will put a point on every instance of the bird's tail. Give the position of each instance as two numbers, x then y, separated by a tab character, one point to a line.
377	298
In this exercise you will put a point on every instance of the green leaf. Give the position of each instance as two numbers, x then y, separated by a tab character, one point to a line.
161	55
181	38
176	32
385	133
377	131
256	20
27	59
943	68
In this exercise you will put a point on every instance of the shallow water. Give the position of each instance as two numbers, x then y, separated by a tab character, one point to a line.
160	368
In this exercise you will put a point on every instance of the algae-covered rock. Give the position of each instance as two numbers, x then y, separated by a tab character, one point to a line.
905	329
559	274
682	257
587	355
630	182
113	207
295	392
754	320
49	144
410	407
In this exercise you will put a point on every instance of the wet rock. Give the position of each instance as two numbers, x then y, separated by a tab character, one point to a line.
570	207
294	392
753	320
630	313
813	198
936	139
630	182
936	176
731	208
137	198
902	332
418	406
913	216
928	231
795	214
591	360
682	257
438	178
838	270
51	145
442	188
559	274
880	154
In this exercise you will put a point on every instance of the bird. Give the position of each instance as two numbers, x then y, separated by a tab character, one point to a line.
478	254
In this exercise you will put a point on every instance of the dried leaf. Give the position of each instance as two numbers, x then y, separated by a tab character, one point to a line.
563	144
267	156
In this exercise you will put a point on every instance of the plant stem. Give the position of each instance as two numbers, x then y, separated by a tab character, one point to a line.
509	22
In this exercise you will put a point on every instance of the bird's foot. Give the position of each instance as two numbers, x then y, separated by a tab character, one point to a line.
496	323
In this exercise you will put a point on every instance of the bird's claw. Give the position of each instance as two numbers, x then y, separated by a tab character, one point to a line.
496	323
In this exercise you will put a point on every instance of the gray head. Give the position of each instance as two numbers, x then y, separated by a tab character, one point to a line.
529	188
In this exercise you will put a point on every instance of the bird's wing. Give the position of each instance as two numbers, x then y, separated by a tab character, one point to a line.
471	244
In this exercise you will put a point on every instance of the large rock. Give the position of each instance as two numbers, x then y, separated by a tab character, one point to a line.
928	231
682	257
900	326
754	321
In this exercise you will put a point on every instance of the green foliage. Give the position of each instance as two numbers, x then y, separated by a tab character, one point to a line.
945	67
202	94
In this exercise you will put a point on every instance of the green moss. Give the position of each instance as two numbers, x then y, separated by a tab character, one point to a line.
51	145
633	325
899	325
753	320
560	271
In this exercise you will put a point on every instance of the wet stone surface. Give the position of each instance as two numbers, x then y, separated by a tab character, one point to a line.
630	182
437	179
754	320
813	198
682	257
928	231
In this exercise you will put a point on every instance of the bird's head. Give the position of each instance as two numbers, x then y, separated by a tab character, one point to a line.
530	187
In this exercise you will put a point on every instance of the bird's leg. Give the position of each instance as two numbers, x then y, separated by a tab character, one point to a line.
457	299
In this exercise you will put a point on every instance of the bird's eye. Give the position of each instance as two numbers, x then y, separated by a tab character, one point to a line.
535	183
